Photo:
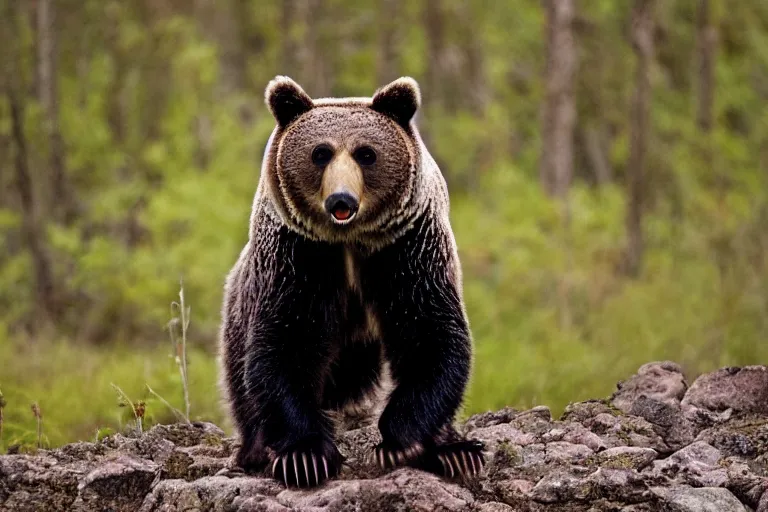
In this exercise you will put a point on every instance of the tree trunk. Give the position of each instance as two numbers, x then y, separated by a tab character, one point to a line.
315	60
4	185
288	49
386	63
474	86
83	64
559	110
32	230
707	47
642	43
594	145
222	26
47	92
115	107
434	29
155	75
45	57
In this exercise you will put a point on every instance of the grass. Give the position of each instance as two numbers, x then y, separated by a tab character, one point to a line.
72	385
137	408
38	414
76	399
180	316
2	408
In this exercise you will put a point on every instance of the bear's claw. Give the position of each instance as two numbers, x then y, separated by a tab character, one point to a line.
387	458
293	467
462	459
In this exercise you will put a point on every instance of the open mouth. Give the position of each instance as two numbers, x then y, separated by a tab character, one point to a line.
342	207
342	214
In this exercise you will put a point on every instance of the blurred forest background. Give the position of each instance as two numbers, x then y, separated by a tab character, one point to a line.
608	165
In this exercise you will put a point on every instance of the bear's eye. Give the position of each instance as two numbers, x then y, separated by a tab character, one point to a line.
365	155
321	155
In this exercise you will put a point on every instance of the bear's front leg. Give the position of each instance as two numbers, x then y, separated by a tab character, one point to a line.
430	363
285	368
291	302
428	345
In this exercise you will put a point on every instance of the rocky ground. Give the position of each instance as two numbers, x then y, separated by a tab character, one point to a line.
655	445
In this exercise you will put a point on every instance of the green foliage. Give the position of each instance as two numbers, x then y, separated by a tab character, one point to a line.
527	356
102	433
164	166
71	382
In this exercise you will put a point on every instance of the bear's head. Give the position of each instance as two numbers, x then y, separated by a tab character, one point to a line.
343	170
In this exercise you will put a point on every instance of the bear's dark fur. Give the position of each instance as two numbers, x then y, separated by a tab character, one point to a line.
324	297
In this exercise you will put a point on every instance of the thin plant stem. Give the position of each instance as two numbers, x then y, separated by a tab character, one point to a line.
39	418
2	406
181	351
179	415
134	407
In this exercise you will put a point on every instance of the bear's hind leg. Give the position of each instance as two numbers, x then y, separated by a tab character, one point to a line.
353	377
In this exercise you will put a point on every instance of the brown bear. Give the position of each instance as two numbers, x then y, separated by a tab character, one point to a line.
351	266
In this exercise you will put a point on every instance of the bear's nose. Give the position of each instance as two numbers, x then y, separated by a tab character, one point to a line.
342	206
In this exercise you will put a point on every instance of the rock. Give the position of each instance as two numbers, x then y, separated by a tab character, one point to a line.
698	452
661	382
490	418
667	419
705	499
642	507
560	451
708	477
624	485
702	465
763	505
741	436
31	483
504	433
495	506
214	493
613	427
655	394
626	457
744	481
513	490
642	451
694	459
578	434
561	487
575	433
744	390
118	484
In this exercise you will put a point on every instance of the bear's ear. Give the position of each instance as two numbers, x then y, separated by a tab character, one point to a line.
286	100
398	100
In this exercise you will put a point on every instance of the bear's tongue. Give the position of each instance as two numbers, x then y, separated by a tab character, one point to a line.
342	213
